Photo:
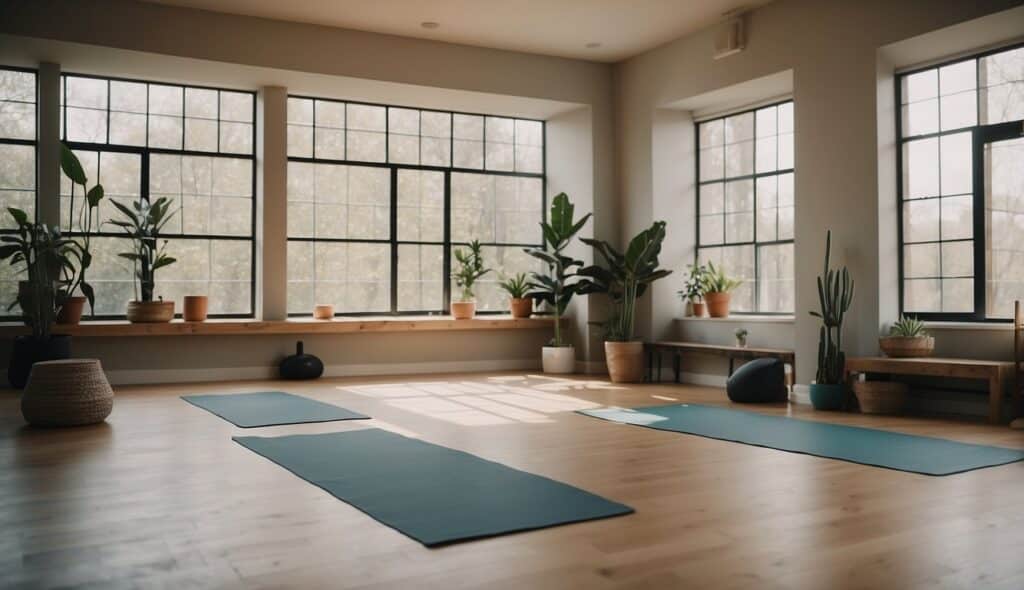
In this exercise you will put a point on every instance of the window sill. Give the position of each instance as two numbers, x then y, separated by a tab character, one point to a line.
292	326
743	319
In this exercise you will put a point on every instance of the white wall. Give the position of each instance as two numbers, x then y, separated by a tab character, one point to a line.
832	49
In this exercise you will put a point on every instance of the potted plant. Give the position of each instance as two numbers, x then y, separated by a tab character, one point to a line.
78	248
718	289
560	284
143	223
41	252
907	339
517	286
741	337
470	269
625	278
693	290
835	294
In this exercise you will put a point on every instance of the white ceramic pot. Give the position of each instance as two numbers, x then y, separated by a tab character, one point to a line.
559	359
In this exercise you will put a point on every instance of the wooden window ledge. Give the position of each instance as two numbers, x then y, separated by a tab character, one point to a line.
291	326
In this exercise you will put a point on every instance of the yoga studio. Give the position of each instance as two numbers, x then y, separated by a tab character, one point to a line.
512	294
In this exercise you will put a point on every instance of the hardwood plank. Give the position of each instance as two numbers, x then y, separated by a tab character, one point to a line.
161	497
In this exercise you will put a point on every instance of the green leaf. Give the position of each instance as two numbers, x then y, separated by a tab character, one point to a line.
164	261
95	195
19	216
71	166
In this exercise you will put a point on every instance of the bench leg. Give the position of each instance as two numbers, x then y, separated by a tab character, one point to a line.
995	399
650	365
676	362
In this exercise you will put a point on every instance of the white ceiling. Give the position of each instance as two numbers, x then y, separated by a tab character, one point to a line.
624	28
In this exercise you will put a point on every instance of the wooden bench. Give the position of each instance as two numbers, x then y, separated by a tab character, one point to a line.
654	351
997	373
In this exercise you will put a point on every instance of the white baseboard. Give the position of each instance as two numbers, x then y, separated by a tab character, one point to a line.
152	376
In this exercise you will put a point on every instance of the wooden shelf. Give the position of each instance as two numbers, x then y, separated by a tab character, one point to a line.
294	326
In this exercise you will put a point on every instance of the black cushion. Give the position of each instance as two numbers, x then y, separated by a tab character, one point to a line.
759	381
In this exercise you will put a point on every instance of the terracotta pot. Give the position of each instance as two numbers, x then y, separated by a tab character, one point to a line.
463	310
558	359
880	397
902	347
521	307
71	311
698	309
196	307
150	312
625	361
718	304
324	311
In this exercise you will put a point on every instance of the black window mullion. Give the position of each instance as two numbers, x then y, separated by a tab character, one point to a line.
446	283
394	240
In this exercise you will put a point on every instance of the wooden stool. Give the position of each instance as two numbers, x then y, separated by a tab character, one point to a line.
71	392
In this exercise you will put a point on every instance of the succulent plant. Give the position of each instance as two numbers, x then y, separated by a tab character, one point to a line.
907	327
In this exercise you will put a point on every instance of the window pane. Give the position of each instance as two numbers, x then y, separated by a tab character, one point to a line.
921	261
353	277
922	295
738	263
17	105
957	218
220	269
920	168
403	136
775	283
921	220
121	177
712	198
1004	209
1002	81
921	117
712	163
17	182
420	206
956	169
420	277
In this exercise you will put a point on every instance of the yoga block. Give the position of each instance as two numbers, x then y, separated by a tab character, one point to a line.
759	381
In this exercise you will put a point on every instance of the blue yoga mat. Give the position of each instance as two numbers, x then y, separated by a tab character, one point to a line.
879	448
431	493
270	408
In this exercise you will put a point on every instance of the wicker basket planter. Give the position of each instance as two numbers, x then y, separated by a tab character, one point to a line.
881	397
902	347
71	392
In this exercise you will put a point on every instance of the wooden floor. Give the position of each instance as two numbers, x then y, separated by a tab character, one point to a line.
160	497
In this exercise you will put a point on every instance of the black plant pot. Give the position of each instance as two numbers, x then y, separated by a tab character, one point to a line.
27	351
301	366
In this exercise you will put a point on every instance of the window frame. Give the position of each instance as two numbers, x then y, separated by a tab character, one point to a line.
980	135
447	244
754	243
5	314
145	151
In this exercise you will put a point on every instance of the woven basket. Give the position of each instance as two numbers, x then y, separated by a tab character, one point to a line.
67	393
880	397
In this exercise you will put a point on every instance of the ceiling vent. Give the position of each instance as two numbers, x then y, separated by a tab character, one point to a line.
729	38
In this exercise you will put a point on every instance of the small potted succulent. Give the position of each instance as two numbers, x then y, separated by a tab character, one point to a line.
143	222
693	290
470	268
517	286
907	339
718	288
741	337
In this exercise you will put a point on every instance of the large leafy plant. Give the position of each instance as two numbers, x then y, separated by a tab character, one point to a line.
41	252
79	249
625	277
835	294
557	287
143	222
470	268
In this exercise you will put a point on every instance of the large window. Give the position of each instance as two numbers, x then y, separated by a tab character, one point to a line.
961	193
745	204
378	196
17	162
145	140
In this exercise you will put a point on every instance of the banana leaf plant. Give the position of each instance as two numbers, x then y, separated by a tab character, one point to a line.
835	294
143	223
41	253
625	277
79	247
557	287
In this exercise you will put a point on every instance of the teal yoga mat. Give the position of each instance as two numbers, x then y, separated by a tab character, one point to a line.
270	408
879	448
431	493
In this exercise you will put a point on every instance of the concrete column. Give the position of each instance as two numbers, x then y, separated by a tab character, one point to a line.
48	128
272	195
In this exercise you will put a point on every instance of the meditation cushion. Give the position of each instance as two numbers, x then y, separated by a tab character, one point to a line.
759	381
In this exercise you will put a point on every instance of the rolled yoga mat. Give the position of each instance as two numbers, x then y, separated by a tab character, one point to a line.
270	408
431	493
867	446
